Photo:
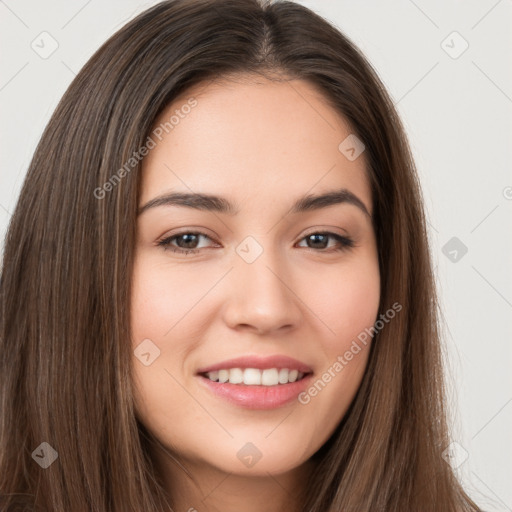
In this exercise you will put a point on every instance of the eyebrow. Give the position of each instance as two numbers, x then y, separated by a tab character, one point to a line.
212	203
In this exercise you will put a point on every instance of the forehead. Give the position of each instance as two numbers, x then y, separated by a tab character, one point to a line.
252	137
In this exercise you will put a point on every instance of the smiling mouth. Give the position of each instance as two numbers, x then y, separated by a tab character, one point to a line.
255	376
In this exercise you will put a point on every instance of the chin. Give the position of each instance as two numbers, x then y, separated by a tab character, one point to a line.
256	458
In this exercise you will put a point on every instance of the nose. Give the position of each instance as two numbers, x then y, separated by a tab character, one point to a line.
262	297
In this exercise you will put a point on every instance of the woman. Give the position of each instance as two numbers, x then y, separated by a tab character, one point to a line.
144	370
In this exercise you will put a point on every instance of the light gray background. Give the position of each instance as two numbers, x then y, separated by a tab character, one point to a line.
457	111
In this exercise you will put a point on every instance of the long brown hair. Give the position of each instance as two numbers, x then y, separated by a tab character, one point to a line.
65	359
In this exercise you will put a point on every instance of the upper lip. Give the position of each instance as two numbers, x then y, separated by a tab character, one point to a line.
259	362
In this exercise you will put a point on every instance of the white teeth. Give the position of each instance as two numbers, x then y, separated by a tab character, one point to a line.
292	376
252	376
255	377
283	376
236	376
270	377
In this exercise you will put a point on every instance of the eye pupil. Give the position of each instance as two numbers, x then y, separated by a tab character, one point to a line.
190	238
315	238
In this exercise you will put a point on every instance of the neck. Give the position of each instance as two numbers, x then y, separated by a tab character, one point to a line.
209	489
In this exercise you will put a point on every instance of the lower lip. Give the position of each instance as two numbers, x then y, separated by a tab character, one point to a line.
257	397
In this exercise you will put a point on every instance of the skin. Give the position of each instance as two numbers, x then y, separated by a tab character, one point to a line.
262	145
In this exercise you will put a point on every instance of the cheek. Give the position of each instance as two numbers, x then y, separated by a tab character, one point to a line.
165	309
160	302
163	296
349	314
348	306
347	303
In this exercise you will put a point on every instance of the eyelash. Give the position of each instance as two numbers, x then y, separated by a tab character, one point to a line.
345	242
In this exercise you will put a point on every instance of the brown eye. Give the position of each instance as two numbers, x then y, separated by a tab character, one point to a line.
185	242
320	241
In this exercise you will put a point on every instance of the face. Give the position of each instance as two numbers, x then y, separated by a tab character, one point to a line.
281	286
